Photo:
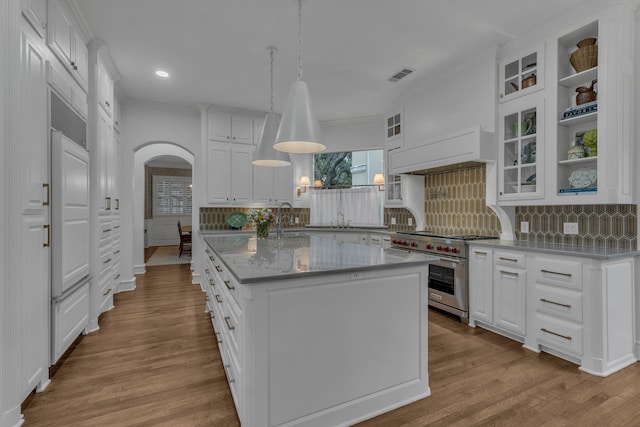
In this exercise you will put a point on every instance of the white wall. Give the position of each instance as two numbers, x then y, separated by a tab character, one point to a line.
151	130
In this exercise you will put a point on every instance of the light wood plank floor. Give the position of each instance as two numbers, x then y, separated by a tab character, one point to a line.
154	362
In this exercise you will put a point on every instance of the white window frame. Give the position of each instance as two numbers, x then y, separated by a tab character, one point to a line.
187	195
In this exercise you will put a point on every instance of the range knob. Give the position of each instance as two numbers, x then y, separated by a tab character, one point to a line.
414	244
454	250
438	248
395	241
446	248
429	246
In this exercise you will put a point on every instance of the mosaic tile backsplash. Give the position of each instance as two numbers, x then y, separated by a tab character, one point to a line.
214	218
455	203
599	226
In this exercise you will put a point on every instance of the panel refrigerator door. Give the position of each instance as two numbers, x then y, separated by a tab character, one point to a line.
69	213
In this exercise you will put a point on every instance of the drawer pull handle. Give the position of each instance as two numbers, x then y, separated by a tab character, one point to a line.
480	253
229	377
228	322
218	338
106	230
211	282
508	259
218	269
206	270
117	277
556	272
117	252
228	285
556	303
106	293
107	261
509	273
568	338
218	299
211	258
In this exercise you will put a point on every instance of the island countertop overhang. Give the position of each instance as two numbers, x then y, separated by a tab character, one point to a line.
302	255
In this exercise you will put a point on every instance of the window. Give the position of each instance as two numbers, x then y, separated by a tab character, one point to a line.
172	195
347	168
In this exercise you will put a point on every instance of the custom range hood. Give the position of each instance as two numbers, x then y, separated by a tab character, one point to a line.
458	149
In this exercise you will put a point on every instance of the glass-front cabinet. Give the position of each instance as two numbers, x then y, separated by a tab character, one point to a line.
521	73
521	150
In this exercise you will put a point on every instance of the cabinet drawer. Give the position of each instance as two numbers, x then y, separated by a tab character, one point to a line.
559	334
509	259
230	286
558	272
559	302
233	378
231	324
106	258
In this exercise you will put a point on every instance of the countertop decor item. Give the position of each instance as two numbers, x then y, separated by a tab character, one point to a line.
262	219
236	220
586	56
575	152
583	178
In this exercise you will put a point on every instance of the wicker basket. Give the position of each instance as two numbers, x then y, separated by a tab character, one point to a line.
584	58
587	42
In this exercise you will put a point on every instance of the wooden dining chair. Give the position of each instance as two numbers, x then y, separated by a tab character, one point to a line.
185	241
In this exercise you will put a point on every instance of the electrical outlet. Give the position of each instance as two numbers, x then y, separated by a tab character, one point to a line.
524	227
296	220
570	228
393	221
410	221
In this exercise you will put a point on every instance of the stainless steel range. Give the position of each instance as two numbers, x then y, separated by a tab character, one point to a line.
448	277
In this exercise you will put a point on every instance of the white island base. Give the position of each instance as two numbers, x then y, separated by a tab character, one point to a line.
321	350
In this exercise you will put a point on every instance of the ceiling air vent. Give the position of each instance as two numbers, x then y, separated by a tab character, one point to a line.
400	75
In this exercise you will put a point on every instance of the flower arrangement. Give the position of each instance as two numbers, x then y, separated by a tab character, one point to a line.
262	219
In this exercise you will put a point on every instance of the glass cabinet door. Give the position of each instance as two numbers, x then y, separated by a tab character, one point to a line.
520	151
521	74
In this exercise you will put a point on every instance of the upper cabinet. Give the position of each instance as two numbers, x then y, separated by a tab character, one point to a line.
394	130
584	136
66	42
521	73
105	88
229	174
229	128
36	13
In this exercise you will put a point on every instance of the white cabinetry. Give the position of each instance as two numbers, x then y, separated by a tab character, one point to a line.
521	149
509	287
580	309
394	130
272	184
497	291
67	88
105	89
36	13
230	128
66	43
521	73
228	173
33	238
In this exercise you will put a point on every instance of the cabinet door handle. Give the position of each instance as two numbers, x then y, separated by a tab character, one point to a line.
117	204
48	243
509	273
229	377
228	322
218	299
106	293
228	285
557	273
508	259
107	203
45	185
566	337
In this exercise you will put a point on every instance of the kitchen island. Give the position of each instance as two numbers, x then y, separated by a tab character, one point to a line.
315	331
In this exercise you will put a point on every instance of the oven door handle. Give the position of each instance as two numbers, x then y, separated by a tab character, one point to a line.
457	261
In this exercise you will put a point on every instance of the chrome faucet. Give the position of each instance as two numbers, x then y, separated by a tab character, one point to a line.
279	224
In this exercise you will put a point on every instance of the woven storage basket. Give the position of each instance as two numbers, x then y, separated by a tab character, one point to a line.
584	58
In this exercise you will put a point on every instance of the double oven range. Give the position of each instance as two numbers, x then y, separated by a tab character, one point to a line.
449	276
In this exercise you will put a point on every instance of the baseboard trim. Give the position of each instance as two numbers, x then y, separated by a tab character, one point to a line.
127	285
139	269
195	278
12	418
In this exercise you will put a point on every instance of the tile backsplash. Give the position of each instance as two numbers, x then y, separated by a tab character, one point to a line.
455	203
599	226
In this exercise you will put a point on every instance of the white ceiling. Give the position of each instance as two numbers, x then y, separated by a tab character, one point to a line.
215	50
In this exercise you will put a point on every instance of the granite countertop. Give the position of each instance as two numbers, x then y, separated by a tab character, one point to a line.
298	255
558	249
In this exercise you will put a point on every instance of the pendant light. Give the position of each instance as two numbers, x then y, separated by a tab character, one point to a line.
265	155
299	130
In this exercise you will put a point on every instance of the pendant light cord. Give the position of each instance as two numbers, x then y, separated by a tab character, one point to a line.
299	39
271	57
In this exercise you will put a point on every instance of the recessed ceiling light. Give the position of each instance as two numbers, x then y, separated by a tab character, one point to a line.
161	73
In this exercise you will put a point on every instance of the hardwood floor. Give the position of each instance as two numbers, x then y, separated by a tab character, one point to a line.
154	362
